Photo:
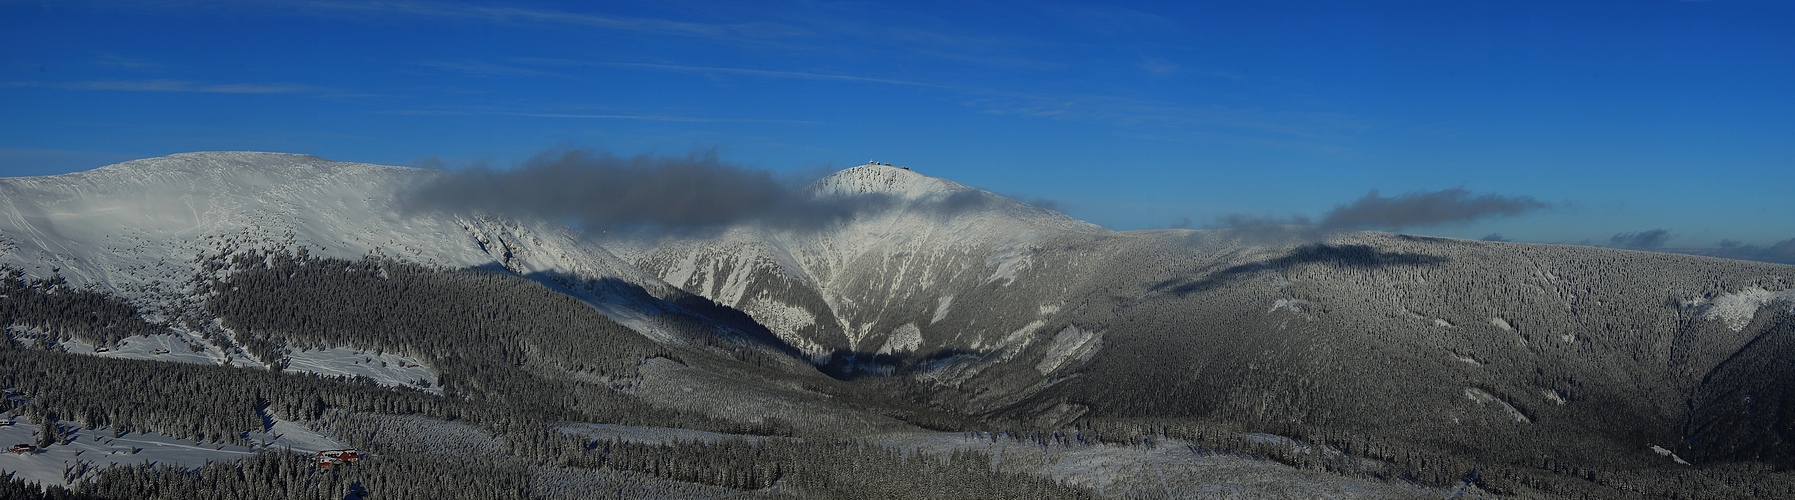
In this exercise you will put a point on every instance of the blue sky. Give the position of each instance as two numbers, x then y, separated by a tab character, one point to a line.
1622	116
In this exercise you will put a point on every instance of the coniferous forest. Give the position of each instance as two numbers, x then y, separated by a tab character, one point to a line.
504	394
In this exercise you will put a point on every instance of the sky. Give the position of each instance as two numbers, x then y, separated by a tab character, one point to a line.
1651	124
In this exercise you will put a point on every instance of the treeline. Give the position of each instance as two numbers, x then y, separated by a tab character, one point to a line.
827	469
802	467
844	469
808	468
19	489
197	402
493	338
278	302
63	312
277	475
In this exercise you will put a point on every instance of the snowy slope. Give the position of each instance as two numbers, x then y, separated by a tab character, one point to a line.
137	228
133	227
856	285
386	369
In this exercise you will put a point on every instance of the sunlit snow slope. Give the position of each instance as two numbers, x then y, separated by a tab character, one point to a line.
139	228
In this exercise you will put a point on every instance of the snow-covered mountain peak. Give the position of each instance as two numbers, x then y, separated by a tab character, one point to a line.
883	179
933	201
237	165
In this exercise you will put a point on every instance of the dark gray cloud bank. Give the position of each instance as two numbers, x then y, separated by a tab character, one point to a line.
599	191
1373	211
1426	208
1782	252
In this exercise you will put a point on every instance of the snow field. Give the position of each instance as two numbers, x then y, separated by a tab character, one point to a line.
1071	343
1482	397
92	450
388	369
904	338
1736	310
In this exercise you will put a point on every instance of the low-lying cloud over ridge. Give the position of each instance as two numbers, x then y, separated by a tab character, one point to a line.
1781	252
1426	208
1643	240
600	191
1372	211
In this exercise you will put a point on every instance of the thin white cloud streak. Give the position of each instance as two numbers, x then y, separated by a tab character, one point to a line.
111	60
1306	127
1108	109
680	68
664	118
603	116
1134	113
496	14
174	86
483	68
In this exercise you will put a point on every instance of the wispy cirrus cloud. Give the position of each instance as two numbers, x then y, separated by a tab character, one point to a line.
1098	108
1149	114
111	60
1642	240
597	116
516	15
722	70
174	86
483	68
1159	66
